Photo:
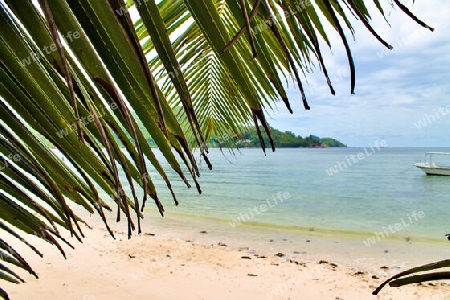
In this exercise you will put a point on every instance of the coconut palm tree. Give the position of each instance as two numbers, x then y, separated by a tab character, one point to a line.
95	80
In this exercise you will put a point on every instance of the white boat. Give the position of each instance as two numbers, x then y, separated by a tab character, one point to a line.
431	168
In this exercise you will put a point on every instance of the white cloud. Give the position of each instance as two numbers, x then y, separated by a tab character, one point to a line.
394	89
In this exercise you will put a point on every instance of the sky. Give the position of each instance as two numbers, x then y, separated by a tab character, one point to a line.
402	96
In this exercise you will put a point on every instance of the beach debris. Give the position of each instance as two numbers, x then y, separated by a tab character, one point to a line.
279	254
359	273
386	251
168	255
375	277
274	264
311	229
333	265
297	263
284	240
431	284
221	244
273	241
244	248
203	232
131	256
323	262
246	257
253	275
407	239
261	256
384	268
149	234
308	241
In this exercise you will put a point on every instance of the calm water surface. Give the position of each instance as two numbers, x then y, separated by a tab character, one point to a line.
366	195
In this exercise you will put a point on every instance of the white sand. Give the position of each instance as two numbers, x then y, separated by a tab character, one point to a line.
147	267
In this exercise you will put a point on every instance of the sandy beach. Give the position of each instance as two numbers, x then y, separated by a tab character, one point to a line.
151	267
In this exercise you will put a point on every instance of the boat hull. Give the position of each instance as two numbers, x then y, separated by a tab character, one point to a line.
432	170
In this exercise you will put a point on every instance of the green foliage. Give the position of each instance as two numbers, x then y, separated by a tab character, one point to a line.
331	142
113	90
282	140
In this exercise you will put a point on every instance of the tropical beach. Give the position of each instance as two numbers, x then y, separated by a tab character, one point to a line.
151	267
251	252
224	149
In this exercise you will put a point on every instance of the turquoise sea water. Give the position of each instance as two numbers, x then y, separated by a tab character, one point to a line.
372	193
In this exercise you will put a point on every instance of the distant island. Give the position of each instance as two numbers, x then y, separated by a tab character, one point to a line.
281	139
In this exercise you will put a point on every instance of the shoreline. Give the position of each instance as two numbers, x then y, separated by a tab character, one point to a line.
302	230
150	267
346	247
179	257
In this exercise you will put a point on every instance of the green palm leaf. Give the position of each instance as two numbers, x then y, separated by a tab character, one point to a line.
172	74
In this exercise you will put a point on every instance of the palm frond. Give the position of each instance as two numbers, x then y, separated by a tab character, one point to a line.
96	83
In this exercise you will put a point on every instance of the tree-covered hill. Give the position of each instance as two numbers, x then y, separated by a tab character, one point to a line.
282	140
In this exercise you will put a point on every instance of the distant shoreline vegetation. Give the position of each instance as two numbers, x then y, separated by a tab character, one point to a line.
287	139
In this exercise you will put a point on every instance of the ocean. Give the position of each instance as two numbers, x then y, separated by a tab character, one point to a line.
360	207
360	191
